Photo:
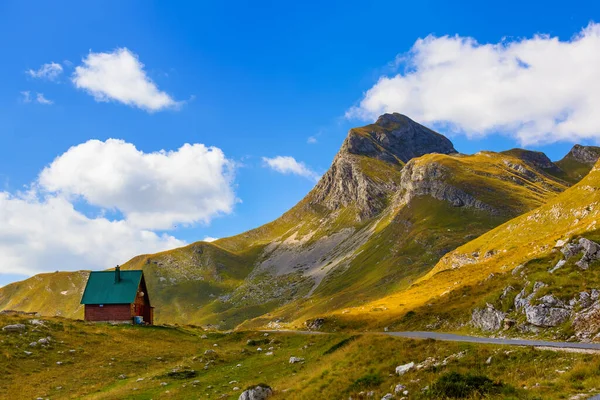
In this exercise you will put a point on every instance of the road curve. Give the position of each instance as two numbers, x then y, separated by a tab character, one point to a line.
509	342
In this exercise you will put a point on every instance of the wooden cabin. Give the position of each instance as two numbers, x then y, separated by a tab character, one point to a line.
117	296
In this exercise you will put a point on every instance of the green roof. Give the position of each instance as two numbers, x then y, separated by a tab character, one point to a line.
102	289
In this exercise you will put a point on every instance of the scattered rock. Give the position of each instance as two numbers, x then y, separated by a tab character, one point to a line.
489	360
488	318
28	353
399	388
163	384
122	376
388	396
294	360
402	369
203	337
209	352
557	266
14	328
315	324
256	393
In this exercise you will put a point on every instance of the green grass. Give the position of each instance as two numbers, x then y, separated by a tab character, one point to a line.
149	356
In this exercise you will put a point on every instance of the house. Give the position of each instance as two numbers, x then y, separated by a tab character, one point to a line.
117	296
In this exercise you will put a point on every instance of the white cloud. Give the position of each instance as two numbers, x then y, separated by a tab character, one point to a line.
209	239
538	90
47	234
42	100
152	190
26	96
311	140
50	71
41	230
120	76
289	165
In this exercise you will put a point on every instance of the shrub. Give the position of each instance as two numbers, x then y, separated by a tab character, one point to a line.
459	386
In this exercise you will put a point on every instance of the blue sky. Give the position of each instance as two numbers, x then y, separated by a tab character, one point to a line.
254	80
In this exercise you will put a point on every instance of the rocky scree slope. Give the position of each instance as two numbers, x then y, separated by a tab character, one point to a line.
396	198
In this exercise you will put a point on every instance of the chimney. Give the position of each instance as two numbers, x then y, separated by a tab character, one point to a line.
117	274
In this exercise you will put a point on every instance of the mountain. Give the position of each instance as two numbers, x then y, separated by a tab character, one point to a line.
579	161
396	199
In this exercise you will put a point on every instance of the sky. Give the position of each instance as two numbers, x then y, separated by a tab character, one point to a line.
134	127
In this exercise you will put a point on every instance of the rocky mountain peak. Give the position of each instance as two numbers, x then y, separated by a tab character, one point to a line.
584	154
354	180
395	138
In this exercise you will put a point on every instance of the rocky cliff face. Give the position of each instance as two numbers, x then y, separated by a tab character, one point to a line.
357	179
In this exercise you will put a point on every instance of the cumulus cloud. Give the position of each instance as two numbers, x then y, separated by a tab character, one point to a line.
42	100
120	76
209	239
42	230
289	165
50	71
538	90
47	234
152	190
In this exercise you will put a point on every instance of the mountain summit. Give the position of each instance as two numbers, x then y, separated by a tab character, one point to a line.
395	138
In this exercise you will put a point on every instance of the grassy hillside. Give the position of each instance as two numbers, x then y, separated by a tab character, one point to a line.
99	361
478	271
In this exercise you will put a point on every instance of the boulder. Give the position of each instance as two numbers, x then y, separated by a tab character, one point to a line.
570	249
14	328
522	300
260	392
488	318
550	312
294	360
388	396
402	369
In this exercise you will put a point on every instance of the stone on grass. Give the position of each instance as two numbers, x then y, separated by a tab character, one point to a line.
402	369
14	328
260	392
294	360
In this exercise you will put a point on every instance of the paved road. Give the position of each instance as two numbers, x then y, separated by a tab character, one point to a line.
451	337
510	342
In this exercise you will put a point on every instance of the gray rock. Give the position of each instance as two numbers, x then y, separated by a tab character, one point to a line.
257	393
584	154
402	369
522	300
399	388
570	249
294	360
543	315
586	323
14	328
488	318
388	396
558	265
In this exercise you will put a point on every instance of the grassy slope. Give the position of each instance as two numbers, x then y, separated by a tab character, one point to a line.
531	236
410	240
94	357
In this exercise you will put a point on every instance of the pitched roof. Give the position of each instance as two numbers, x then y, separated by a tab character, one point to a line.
101	287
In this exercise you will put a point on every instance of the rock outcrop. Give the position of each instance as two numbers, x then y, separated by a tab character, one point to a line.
488	318
394	139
